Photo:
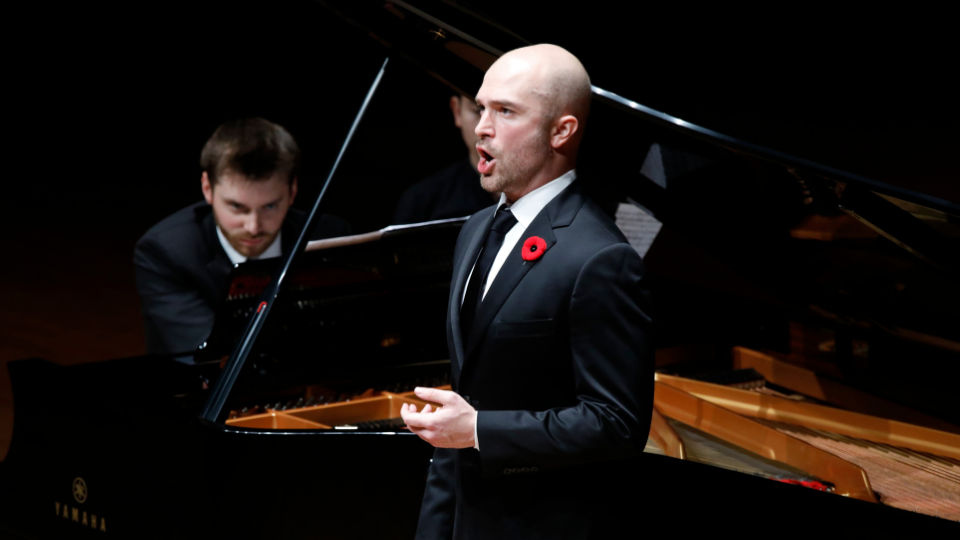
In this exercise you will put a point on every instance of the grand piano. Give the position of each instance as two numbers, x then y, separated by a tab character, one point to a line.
807	333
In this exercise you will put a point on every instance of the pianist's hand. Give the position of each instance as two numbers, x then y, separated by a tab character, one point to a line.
450	426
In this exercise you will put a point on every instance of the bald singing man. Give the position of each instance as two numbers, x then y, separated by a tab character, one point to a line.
549	333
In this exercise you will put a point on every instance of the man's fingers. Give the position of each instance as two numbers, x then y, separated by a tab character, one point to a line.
443	397
418	420
426	408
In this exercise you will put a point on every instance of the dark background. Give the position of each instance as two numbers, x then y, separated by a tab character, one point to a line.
110	106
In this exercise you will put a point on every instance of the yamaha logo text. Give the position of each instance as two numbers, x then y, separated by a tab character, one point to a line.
73	511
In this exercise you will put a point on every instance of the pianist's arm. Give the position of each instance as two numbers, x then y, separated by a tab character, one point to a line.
176	316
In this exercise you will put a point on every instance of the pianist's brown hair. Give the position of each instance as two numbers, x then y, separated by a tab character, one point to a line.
253	147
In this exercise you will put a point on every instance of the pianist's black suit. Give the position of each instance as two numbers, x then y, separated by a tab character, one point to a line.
451	192
183	273
559	366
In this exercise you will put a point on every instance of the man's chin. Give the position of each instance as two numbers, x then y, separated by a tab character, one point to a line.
490	183
251	251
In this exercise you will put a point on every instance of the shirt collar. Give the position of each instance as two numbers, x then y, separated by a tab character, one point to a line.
236	257
527	207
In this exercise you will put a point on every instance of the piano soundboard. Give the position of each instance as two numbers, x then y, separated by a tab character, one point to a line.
898	464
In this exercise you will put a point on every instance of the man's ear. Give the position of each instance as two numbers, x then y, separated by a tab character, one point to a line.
293	190
206	187
455	109
564	130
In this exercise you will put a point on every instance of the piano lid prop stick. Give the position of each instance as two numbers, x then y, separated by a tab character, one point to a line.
214	410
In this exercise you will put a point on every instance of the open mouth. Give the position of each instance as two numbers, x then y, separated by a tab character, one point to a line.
486	161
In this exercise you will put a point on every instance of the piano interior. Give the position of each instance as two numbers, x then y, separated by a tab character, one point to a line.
369	411
340	407
768	417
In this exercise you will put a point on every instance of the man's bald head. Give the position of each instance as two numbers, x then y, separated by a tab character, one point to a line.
534	104
556	76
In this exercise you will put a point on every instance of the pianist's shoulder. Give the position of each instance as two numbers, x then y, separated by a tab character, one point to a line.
188	231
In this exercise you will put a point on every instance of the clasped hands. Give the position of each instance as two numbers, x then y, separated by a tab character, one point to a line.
449	426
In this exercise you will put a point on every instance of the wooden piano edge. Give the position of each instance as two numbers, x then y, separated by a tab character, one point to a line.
811	384
317	417
665	437
848	479
851	424
328	243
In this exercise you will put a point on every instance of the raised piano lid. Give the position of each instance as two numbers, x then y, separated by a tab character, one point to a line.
365	302
745	210
455	43
686	175
709	189
740	221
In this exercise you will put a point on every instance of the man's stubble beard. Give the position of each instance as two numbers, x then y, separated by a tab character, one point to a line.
518	170
234	240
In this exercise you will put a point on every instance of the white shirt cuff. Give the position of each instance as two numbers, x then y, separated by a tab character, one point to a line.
476	441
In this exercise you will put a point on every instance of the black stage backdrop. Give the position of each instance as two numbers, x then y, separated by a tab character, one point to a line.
112	104
119	103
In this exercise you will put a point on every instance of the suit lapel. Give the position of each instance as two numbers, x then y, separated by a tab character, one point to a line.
558	213
462	272
219	271
507	279
218	265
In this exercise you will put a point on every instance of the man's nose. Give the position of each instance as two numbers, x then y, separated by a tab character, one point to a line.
484	126
253	225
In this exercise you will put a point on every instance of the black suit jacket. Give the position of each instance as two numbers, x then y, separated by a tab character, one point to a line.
560	367
183	273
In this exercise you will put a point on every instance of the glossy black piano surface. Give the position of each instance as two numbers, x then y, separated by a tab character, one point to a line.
843	275
368	360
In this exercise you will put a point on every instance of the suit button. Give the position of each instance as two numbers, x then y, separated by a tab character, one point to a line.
524	470
533	469
507	471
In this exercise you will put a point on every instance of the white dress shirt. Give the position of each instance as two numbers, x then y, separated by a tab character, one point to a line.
524	209
236	257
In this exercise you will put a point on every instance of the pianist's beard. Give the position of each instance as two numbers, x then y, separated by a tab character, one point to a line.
234	237
516	164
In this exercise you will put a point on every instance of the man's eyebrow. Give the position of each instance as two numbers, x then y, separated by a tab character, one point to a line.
276	201
504	103
231	201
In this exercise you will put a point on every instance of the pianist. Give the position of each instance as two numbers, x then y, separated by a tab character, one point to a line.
183	263
455	190
548	331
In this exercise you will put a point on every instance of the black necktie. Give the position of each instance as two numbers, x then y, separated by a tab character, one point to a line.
502	223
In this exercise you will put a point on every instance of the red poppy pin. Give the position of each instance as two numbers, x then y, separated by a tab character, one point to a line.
533	248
